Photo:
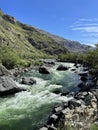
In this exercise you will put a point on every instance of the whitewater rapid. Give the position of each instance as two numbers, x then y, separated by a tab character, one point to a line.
29	109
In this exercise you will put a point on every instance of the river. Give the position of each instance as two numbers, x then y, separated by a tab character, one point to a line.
28	110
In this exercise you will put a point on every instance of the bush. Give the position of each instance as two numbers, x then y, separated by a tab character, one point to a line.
70	57
10	60
25	63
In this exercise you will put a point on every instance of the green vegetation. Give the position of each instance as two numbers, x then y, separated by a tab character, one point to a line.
94	127
21	44
90	58
69	57
8	58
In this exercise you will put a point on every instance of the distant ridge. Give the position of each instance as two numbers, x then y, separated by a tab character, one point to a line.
72	46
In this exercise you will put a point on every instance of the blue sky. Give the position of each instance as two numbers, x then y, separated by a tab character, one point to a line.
72	19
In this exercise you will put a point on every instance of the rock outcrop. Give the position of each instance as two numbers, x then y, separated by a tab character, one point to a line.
7	84
9	18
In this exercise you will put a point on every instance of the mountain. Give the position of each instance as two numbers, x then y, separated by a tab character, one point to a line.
23	42
23	37
72	46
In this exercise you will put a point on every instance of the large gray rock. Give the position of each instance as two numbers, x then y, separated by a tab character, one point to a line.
8	86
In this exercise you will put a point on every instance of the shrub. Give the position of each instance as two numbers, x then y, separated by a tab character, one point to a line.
10	60
25	63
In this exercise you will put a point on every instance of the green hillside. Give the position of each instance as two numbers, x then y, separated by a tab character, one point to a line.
24	43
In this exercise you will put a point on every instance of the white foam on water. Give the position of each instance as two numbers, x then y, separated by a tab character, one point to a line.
24	103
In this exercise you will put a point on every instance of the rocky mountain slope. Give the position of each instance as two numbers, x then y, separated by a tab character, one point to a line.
72	46
26	42
24	38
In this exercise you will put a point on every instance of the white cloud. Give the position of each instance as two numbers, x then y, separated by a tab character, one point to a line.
94	35
86	29
88	20
93	45
84	25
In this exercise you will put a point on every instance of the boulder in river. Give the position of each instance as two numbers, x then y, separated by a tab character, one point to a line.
62	68
83	78
43	70
56	90
8	86
73	69
83	73
28	80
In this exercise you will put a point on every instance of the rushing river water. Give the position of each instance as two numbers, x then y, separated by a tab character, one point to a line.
30	109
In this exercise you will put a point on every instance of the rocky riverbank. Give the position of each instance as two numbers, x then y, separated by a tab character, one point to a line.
8	85
81	112
78	113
